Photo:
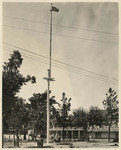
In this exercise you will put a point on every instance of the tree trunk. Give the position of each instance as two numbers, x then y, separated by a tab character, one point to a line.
24	135
67	134
63	134
2	135
2	140
86	134
109	133
17	141
14	139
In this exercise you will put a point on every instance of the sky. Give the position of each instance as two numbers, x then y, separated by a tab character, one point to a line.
85	49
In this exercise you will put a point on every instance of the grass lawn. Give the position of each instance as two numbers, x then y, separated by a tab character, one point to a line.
79	144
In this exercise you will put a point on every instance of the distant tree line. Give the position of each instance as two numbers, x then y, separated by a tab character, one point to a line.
21	116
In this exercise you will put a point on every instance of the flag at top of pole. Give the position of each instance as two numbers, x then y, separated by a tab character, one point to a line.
54	9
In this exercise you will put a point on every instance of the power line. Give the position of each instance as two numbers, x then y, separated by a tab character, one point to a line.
25	50
62	62
25	54
65	63
86	70
68	69
26	29
62	35
93	73
60	25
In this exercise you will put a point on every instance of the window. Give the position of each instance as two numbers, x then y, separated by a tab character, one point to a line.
97	135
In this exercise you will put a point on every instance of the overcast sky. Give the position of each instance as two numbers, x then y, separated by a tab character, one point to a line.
85	36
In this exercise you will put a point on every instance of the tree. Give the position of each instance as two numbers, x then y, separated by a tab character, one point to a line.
19	117
88	120
112	110
64	118
80	119
95	117
12	81
38	112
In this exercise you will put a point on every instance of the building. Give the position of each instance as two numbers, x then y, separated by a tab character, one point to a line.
78	134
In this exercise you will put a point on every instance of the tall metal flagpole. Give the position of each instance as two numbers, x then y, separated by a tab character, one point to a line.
50	38
48	119
49	74
49	77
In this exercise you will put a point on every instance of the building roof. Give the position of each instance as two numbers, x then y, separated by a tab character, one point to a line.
102	129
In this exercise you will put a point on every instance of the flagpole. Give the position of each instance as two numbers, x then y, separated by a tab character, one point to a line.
48	119
49	78
50	38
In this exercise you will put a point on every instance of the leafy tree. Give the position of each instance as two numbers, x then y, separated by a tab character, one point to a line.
64	117
111	106
88	120
80	119
38	112
12	81
95	117
19	117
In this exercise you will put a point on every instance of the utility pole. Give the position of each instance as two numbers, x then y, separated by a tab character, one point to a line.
49	74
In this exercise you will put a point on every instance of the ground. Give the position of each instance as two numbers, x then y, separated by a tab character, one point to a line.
79	144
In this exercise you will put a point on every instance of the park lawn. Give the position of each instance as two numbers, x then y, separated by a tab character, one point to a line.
78	144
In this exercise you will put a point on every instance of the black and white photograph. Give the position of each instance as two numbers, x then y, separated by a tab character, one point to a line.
60	74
